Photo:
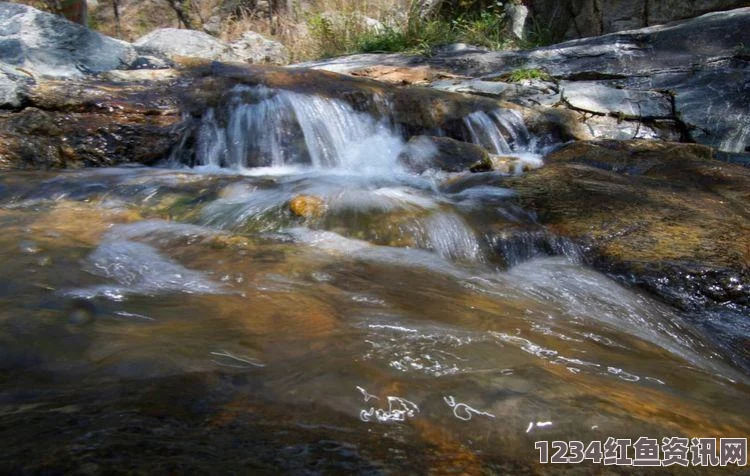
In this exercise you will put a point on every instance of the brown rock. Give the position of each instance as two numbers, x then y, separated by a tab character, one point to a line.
307	206
498	163
665	215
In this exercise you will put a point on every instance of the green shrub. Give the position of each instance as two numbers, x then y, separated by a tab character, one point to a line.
347	34
523	74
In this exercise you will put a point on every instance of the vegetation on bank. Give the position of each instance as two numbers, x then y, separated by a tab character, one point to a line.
313	29
487	28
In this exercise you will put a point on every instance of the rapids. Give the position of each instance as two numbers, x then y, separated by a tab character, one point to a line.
394	330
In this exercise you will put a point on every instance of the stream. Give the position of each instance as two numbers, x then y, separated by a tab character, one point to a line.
182	317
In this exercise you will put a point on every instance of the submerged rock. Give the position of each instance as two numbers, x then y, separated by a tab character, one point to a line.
664	216
499	163
307	206
81	312
441	153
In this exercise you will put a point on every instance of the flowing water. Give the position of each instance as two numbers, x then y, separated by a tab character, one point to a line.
182	319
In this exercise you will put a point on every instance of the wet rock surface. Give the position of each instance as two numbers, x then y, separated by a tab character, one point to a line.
88	123
426	152
664	216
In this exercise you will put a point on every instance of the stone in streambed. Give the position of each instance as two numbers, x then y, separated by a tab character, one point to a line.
81	312
307	206
423	153
499	163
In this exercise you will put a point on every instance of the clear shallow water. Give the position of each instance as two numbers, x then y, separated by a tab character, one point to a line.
173	320
344	339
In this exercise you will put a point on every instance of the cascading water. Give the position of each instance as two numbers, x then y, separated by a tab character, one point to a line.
261	127
264	128
491	129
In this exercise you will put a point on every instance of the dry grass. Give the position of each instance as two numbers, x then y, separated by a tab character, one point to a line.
325	27
313	29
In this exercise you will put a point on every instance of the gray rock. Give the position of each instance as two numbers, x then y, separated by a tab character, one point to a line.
150	62
601	99
212	26
704	63
460	48
526	93
50	45
13	85
174	43
255	48
607	127
426	8
347	64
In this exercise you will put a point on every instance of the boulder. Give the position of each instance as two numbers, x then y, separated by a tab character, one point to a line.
49	45
257	49
175	43
441	153
608	127
664	216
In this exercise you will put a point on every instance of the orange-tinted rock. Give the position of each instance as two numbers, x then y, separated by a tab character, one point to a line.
307	206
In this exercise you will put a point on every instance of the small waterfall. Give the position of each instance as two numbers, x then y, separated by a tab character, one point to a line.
452	238
501	131
262	127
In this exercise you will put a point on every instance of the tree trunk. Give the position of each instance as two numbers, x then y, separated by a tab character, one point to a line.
116	10
74	10
182	15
